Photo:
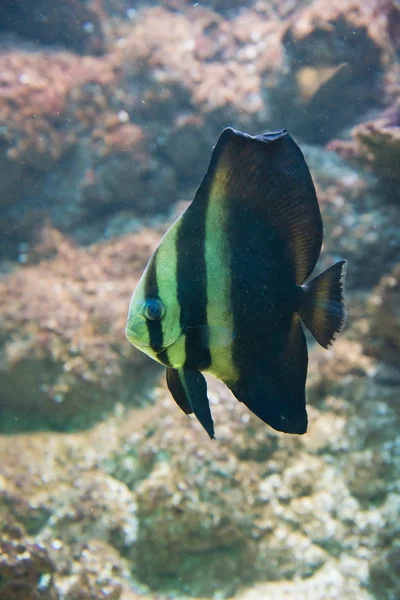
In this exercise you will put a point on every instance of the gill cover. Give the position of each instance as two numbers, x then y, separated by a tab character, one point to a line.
153	322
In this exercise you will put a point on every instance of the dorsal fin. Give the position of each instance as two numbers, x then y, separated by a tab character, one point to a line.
269	173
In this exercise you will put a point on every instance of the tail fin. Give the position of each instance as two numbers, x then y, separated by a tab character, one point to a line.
323	309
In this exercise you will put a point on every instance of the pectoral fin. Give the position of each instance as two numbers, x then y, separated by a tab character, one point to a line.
189	389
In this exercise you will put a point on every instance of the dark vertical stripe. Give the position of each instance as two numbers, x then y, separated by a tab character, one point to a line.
262	288
271	370
154	328
192	284
163	357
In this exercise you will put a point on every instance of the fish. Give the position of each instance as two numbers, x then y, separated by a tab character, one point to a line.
313	80
229	288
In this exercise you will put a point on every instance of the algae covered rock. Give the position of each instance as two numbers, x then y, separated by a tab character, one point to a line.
385	572
125	497
378	146
83	138
384	307
75	23
88	524
62	330
200	521
145	499
194	503
26	571
82	515
68	140
375	144
199	507
356	224
96	571
330	48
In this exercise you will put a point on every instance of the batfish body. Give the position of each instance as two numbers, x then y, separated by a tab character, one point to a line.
226	288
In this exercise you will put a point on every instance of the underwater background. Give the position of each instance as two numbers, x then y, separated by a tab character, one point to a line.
109	110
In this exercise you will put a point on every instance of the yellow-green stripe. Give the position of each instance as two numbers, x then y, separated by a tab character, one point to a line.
167	281
219	313
176	353
166	268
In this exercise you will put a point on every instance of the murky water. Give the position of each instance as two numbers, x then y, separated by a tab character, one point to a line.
109	112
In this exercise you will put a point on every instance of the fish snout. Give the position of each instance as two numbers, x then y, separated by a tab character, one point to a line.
136	340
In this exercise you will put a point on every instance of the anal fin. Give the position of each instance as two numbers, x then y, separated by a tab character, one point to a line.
275	390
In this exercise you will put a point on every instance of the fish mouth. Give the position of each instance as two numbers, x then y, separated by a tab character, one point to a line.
141	346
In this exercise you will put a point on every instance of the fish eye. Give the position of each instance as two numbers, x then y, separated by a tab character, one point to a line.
154	309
